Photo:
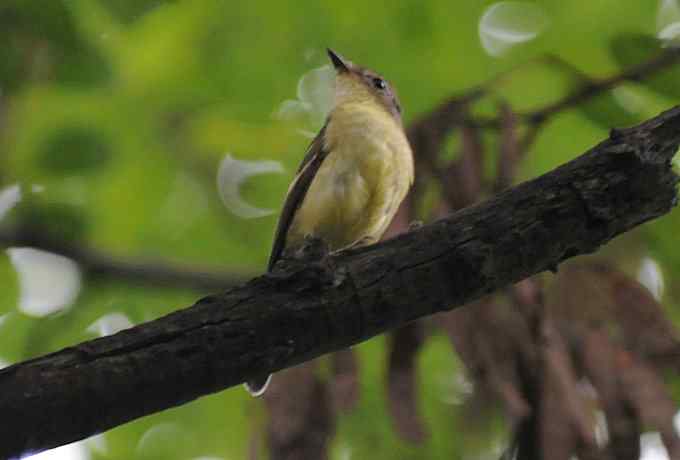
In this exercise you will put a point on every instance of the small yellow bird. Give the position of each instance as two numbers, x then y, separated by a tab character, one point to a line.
355	174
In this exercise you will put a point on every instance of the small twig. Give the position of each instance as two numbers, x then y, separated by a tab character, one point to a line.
98	264
428	133
529	137
593	88
636	73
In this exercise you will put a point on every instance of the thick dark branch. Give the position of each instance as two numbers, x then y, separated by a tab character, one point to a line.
98	264
305	310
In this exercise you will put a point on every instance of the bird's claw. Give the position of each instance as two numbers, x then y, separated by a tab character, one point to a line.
415	225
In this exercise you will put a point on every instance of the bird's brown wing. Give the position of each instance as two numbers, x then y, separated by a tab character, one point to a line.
296	194
315	148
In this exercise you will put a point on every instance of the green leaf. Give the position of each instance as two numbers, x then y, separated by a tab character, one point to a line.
74	149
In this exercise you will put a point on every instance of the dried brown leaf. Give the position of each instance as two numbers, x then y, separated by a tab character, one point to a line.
428	133
587	295
647	329
598	359
402	383
494	343
463	179
564	419
510	153
647	395
301	419
618	332
345	384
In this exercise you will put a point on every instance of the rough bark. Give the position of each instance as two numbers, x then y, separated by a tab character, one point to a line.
306	309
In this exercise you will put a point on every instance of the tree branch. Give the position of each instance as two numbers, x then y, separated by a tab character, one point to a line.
592	88
304	310
98	264
642	71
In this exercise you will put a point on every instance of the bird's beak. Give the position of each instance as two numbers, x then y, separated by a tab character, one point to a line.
341	65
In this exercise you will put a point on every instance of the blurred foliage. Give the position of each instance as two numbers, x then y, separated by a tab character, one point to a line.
119	111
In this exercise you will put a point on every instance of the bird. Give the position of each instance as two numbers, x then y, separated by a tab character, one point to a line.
354	175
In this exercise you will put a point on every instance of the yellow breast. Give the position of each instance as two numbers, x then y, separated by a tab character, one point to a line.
361	182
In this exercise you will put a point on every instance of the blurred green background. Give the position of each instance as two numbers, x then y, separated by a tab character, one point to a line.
115	114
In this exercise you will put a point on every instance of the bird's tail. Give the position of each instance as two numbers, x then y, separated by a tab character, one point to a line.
258	386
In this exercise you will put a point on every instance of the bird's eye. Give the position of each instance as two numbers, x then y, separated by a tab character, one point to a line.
379	83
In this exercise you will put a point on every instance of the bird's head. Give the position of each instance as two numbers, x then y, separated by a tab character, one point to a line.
354	83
